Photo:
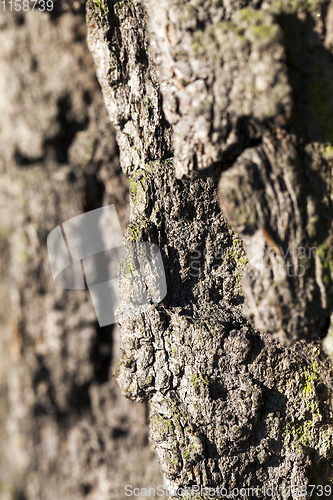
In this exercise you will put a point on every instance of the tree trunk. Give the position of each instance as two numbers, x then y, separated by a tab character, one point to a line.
66	432
228	105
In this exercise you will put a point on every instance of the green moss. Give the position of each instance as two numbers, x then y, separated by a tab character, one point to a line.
196	46
130	269
294	6
328	151
227	27
24	257
236	257
123	4
147	101
251	15
303	415
237	252
325	255
162	425
140	185
258	25
156	167
180	420
173	460
136	230
307	433
116	372
136	185
300	434
100	4
199	378
309	377
217	37
265	31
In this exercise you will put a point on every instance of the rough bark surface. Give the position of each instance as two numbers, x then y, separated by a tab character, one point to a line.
248	90
66	432
245	91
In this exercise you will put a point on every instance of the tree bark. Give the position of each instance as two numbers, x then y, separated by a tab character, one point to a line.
228	105
66	432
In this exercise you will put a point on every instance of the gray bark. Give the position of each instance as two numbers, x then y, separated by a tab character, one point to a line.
244	92
216	106
66	432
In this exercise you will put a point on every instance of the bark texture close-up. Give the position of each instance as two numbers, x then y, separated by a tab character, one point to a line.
242	193
208	124
66	432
